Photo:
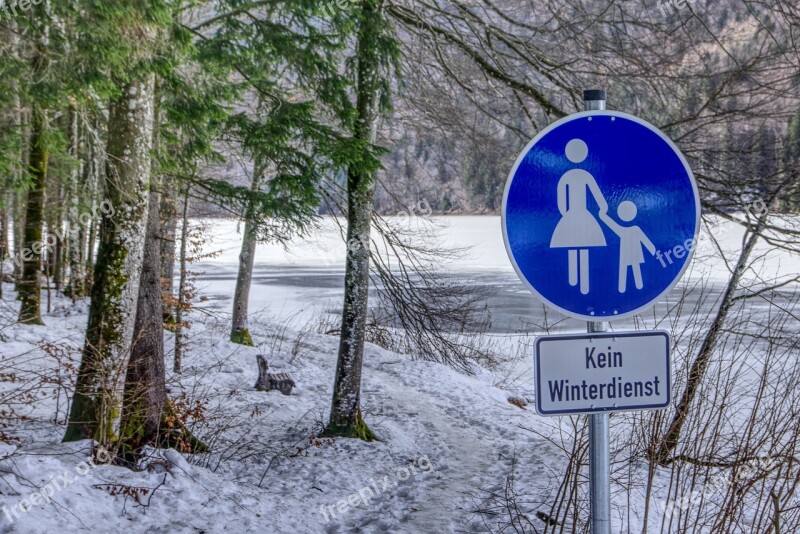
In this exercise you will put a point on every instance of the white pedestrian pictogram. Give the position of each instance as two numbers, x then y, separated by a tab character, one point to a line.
578	230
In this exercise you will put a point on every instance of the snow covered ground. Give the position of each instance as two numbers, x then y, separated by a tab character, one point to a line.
445	437
448	444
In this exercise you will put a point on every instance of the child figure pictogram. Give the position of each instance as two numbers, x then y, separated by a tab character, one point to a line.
631	239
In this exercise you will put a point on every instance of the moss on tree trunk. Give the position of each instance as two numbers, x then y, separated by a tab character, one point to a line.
356	428
242	337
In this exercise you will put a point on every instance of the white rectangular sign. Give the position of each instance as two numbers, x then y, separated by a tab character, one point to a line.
602	372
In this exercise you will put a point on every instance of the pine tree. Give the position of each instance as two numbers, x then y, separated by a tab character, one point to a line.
292	67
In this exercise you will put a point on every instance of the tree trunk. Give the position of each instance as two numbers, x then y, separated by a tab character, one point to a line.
178	361
698	370
18	215
169	227
239	331
55	229
76	288
119	260
91	245
15	233
3	238
145	394
241	297
346	419
89	232
31	252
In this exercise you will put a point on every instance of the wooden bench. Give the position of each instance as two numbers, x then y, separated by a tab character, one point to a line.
267	381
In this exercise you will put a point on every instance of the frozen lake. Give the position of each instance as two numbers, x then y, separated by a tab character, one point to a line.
305	279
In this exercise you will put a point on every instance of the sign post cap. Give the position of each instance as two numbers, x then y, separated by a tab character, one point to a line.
594	94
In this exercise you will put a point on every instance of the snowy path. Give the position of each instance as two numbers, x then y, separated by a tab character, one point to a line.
468	431
443	434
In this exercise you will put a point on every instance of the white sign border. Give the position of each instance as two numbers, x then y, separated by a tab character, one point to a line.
601	335
510	179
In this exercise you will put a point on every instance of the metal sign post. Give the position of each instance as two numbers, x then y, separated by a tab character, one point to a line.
599	463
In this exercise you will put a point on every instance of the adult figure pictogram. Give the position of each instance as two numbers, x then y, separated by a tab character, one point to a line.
578	230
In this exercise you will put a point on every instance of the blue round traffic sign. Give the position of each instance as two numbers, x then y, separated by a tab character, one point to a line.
601	215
